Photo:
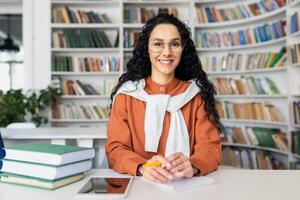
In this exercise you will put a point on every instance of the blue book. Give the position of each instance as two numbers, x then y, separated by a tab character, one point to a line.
2	152
275	30
242	37
258	39
209	14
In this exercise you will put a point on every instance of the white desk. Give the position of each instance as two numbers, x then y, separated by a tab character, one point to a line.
230	185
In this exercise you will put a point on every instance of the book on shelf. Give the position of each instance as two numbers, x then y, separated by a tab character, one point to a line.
244	62
38	182
295	135
135	14
249	36
294	53
82	38
74	111
239	11
294	22
249	111
250	159
50	154
245	85
66	15
45	171
296	112
256	136
85	64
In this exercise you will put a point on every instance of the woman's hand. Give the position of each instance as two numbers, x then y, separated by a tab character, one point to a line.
181	165
159	174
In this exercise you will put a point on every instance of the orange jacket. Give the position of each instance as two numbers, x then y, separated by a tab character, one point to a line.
125	133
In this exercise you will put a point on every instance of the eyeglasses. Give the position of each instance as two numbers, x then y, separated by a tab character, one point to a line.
158	46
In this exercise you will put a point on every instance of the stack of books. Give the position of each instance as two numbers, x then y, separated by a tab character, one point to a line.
46	166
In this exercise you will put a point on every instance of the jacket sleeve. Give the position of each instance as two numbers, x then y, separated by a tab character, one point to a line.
207	149
119	151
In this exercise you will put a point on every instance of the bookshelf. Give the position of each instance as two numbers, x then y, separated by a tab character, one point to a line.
127	18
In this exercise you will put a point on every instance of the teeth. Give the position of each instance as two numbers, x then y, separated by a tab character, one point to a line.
165	61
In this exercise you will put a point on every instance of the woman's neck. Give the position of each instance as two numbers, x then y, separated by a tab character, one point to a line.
162	80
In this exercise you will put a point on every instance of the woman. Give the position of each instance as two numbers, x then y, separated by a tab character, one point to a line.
163	108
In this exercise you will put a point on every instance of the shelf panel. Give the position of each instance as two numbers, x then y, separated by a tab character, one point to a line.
296	34
86	73
255	122
79	120
56	133
270	70
75	25
85	97
156	2
244	46
295	3
85	49
296	125
67	2
256	147
133	25
296	65
241	21
252	96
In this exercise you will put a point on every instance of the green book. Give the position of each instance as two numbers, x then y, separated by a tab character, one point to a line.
38	182
279	56
50	154
264	136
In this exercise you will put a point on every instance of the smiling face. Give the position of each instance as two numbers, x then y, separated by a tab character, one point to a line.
165	50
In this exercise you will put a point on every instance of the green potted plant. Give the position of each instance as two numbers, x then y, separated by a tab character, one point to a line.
15	106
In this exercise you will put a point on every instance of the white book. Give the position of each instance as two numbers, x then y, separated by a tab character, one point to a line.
183	184
48	172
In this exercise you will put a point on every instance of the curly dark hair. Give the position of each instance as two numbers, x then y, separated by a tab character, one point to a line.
139	66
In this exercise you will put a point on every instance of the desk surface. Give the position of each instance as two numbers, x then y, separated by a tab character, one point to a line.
231	184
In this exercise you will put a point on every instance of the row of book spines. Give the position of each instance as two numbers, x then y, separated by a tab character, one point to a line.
294	22
249	36
132	14
70	87
76	87
130	37
81	38
240	11
250	159
294	53
296	142
296	112
73	111
85	64
255	136
249	111
241	62
66	15
245	85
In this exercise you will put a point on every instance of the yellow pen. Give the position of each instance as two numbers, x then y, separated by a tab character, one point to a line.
153	164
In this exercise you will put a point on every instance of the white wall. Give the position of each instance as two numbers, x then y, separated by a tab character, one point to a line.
36	37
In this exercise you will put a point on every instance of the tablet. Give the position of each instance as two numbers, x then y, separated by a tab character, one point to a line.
105	187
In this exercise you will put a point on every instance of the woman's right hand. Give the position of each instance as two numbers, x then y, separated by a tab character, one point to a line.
159	174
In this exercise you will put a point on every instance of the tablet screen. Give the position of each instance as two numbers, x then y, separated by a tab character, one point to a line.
101	185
